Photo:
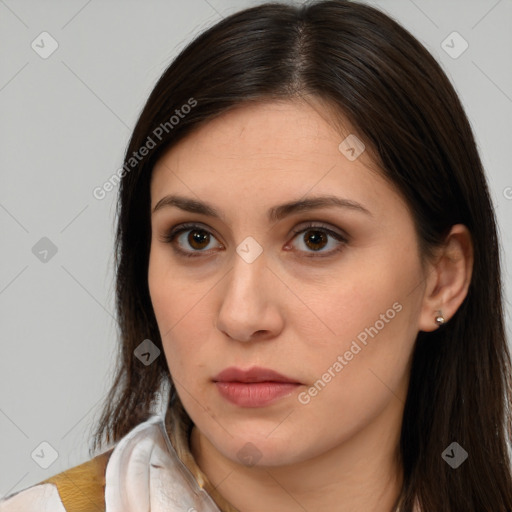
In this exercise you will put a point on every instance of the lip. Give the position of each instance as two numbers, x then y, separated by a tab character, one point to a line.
253	374
254	387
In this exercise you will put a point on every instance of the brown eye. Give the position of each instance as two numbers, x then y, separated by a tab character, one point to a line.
315	239
198	238
190	240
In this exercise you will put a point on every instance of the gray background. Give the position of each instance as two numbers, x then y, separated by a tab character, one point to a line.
64	125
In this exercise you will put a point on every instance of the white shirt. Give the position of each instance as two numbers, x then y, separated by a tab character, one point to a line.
143	473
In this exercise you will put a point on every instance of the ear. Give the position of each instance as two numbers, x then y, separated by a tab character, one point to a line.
448	278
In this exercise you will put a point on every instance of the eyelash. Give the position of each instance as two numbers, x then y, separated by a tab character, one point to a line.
171	235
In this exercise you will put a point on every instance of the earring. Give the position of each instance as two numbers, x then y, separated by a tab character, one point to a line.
440	318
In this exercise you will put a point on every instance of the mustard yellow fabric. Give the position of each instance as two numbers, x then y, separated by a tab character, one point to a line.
82	488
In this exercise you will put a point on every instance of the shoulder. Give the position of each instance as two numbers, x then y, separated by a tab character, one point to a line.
141	472
78	489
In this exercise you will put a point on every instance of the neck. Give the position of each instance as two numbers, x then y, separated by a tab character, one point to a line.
362	473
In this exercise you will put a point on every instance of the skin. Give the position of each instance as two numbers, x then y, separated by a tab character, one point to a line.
292	313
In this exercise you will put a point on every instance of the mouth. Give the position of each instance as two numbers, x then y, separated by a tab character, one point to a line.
255	387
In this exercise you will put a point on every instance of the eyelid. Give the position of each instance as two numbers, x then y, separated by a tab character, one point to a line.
342	237
170	236
312	224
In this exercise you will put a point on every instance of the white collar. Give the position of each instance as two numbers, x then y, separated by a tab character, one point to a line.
144	473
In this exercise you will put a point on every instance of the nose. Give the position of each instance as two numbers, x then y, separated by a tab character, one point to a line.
250	308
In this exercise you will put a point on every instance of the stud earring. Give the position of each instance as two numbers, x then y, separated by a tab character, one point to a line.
440	318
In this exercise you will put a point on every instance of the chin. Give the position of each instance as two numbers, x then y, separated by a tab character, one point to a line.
259	450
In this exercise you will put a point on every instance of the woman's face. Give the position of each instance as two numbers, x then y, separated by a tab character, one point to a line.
327	295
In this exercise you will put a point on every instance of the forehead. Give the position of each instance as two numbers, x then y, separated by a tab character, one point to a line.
264	131
264	152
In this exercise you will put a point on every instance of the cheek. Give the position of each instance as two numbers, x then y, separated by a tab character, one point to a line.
173	297
180	306
372	315
373	297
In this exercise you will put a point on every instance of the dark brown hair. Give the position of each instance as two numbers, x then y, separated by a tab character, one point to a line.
374	72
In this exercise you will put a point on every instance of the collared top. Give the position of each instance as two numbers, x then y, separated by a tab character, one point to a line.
149	469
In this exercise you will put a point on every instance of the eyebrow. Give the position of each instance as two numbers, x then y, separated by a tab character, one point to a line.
274	214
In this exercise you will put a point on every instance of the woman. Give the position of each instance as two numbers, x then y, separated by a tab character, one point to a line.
307	261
